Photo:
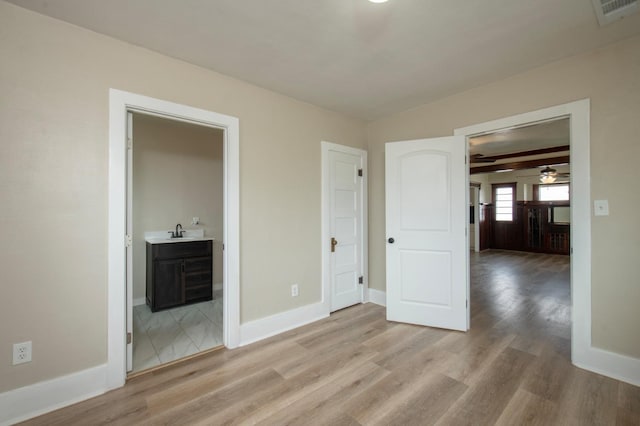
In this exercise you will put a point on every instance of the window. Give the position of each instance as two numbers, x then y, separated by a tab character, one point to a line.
504	196
557	192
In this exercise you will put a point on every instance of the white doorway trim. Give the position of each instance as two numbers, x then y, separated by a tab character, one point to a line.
326	147
578	112
120	103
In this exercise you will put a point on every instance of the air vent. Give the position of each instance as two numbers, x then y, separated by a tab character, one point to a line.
612	10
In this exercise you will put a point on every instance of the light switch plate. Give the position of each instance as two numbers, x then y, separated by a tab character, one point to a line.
601	207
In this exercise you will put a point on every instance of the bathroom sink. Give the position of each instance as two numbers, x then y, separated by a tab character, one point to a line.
162	237
171	240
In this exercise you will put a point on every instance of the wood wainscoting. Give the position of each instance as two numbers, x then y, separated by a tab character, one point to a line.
533	229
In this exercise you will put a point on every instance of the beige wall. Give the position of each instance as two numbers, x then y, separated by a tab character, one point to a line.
177	174
611	78
485	186
54	97
54	82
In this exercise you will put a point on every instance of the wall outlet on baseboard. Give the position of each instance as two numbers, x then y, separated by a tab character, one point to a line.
294	290
21	353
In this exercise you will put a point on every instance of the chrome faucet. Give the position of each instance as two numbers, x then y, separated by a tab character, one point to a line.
178	233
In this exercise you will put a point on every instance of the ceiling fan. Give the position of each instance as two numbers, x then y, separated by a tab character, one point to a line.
549	175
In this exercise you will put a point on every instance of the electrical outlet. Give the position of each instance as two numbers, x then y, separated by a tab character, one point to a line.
294	290
21	353
195	220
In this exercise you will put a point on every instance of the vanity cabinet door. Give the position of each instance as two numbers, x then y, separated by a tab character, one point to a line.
169	283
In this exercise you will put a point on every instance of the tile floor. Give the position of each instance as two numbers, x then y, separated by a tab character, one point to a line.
164	336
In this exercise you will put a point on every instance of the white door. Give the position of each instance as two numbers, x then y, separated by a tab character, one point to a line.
128	242
345	237
426	213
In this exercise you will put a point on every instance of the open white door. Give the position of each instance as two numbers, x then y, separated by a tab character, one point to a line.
128	242
426	213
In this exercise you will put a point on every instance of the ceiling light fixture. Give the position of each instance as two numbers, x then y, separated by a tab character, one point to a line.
378	1
547	179
548	175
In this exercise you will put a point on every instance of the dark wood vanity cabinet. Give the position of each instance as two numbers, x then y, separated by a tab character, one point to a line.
179	273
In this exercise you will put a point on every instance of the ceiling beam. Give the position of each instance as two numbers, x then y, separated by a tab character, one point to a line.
520	165
527	153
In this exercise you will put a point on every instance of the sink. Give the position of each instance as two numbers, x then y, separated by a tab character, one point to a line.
171	240
174	239
160	237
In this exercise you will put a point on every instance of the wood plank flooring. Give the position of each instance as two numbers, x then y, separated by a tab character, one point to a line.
355	368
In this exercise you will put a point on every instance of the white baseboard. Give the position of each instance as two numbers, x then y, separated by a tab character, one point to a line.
610	364
33	400
30	401
378	297
139	301
262	328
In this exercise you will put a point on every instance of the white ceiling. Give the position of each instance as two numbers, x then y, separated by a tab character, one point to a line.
528	138
352	56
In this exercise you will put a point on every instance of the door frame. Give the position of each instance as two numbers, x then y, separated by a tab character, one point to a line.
476	213
120	103
325	236
578	113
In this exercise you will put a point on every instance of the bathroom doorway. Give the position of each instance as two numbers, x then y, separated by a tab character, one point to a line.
120	251
176	215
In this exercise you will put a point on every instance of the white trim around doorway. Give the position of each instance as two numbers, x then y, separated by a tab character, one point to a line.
583	354
120	103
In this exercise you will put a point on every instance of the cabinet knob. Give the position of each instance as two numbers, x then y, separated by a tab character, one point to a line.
391	240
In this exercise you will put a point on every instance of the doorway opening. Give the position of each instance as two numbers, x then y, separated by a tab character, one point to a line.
120	251
175	218
577	243
520	281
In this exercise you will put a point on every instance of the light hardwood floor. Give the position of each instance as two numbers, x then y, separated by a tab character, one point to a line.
513	367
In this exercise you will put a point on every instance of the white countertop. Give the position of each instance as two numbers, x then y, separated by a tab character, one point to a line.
164	237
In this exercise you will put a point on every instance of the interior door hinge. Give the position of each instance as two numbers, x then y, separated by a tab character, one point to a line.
129	338
128	241
129	143
360	172
360	280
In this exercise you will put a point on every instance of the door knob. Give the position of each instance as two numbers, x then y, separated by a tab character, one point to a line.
334	243
391	240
